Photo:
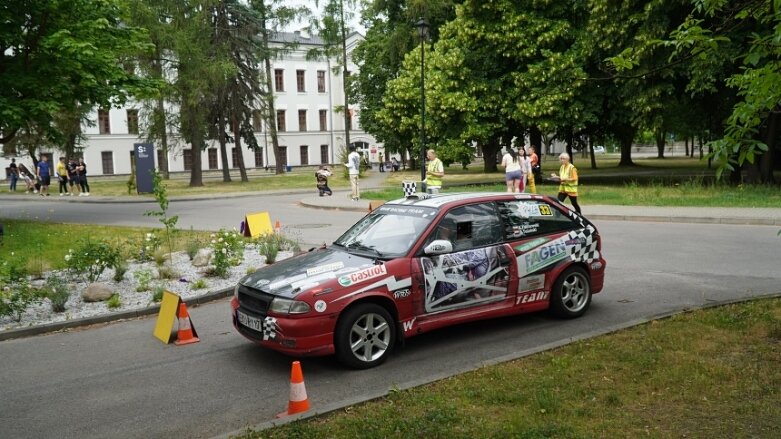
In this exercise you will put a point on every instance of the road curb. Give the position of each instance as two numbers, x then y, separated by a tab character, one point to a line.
688	219
107	318
328	408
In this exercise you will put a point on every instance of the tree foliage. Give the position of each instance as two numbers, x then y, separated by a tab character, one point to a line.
59	59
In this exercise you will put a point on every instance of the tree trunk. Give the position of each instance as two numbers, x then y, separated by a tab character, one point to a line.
686	145
767	159
226	172
660	142
490	149
239	152
570	139
345	79
535	138
268	97
160	113
701	153
591	150
196	143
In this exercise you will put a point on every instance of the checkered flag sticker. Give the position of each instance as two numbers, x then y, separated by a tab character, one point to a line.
270	328
585	249
410	187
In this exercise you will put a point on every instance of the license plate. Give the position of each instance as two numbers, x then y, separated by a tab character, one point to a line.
250	322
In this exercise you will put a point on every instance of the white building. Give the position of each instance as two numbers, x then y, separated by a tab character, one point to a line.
310	132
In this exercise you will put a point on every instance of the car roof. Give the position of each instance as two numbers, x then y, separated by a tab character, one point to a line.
440	200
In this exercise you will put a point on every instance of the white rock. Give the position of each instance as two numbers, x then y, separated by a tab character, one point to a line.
203	257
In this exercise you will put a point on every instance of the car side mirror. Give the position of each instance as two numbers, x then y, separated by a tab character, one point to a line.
438	247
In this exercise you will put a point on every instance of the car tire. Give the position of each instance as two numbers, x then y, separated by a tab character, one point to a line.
365	336
571	294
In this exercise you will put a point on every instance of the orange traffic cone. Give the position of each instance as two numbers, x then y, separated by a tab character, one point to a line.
298	401
186	333
277	227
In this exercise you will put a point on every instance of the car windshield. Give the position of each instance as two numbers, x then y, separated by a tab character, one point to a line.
387	232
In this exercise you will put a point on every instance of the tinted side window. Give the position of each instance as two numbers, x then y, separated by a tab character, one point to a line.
523	218
471	226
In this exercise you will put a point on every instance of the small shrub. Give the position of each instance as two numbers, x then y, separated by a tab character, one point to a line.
37	267
251	270
157	295
166	272
147	247
13	270
199	284
91	258
159	256
120	268
228	251
114	301
144	278
16	298
57	291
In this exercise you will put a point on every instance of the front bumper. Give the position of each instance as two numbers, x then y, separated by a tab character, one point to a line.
303	336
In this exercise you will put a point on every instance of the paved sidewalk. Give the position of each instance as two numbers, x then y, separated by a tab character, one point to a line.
765	216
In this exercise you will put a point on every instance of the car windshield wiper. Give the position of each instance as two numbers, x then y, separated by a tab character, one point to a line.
359	246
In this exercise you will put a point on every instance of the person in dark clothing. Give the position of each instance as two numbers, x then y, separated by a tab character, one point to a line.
322	175
73	176
14	170
81	171
43	171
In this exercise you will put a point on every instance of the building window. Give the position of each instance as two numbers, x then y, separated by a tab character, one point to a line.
235	157
107	158
187	158
259	157
212	158
257	121
160	158
350	119
321	81
283	155
281	120
279	79
323	120
304	155
301	80
104	125
301	120
132	121
323	154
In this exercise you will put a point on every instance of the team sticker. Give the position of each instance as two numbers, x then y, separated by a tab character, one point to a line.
531	297
362	275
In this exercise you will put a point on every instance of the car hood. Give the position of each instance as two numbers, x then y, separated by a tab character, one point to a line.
316	269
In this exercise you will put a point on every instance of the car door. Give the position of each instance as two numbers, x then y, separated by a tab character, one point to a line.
543	239
470	280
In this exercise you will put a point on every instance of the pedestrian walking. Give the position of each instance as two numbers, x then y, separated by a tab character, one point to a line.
14	171
568	181
513	176
526	169
354	170
81	171
435	171
62	176
43	171
382	163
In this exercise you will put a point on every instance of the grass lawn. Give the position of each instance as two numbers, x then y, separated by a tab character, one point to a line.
42	246
709	374
178	185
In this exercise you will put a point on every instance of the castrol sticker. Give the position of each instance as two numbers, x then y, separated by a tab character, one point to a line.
362	275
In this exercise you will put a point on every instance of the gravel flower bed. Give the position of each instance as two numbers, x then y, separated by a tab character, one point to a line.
187	274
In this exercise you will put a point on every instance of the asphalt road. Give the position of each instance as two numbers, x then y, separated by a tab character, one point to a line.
309	226
118	381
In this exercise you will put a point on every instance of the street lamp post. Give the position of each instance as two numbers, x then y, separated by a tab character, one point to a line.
422	26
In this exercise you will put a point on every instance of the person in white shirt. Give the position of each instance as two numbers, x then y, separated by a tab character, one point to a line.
526	167
354	169
513	175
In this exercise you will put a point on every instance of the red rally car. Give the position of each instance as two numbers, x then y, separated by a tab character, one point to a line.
421	263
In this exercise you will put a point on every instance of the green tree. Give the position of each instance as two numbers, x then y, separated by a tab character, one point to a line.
58	58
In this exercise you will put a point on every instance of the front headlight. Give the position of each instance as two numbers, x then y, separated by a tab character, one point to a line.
287	306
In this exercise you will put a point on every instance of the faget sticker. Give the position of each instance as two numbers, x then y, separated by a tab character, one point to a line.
360	276
546	255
